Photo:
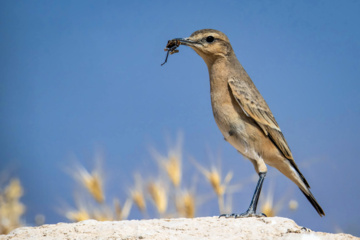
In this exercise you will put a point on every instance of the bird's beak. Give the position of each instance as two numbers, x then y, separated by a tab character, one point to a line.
186	41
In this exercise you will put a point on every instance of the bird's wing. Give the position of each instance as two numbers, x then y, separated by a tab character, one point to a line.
254	106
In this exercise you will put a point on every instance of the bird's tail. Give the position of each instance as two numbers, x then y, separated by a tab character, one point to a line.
306	191
313	202
290	170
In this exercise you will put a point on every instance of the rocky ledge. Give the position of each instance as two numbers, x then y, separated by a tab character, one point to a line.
176	228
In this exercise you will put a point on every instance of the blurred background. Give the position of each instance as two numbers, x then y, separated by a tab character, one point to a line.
81	80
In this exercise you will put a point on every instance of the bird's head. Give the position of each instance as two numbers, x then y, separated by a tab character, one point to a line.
210	44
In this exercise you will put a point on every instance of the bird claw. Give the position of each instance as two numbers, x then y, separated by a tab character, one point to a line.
243	215
227	215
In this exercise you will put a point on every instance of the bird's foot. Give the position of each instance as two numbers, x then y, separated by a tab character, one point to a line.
243	215
228	215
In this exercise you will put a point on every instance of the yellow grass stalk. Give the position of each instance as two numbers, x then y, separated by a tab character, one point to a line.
268	209
14	190
78	215
185	204
138	199
172	162
11	209
103	213
213	176
93	182
158	195
137	194
173	169
122	212
267	205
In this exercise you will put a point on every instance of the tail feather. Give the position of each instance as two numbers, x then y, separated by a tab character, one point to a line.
313	202
290	170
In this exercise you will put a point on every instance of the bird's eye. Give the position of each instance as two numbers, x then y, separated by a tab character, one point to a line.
210	39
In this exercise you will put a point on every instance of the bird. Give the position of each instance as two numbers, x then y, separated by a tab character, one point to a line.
242	115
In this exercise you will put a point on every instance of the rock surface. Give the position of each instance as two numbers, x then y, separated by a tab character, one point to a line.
176	228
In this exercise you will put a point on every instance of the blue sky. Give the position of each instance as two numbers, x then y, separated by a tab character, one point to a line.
81	75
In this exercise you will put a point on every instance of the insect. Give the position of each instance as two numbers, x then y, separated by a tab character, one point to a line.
171	48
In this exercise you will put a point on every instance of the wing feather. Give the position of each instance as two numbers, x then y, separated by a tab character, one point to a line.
254	106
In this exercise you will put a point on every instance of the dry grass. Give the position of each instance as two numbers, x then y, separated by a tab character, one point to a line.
92	182
79	214
272	208
11	209
267	207
137	194
213	176
186	204
159	196
94	206
171	163
101	212
167	195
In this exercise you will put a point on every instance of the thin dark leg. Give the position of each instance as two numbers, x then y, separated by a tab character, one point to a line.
255	198
251	212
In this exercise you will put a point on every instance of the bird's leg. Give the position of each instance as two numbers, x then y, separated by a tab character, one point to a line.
255	199
251	212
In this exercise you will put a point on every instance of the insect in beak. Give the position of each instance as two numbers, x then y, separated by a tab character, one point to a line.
171	48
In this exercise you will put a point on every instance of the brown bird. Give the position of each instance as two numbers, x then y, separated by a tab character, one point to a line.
242	115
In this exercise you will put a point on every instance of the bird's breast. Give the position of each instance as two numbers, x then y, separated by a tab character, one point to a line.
237	128
228	115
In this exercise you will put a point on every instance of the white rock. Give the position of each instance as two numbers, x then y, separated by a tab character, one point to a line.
176	228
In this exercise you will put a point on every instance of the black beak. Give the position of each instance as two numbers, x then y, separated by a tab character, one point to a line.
176	42
186	41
